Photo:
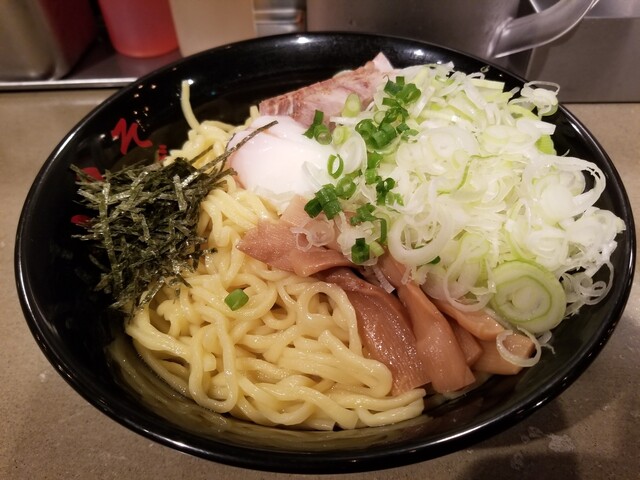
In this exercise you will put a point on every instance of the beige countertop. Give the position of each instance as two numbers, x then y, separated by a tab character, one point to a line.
48	431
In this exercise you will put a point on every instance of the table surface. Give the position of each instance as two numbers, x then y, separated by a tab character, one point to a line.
592	430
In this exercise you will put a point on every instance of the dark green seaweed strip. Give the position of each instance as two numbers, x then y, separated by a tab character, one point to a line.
144	222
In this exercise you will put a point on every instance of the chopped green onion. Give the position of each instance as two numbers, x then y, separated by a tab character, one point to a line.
392	198
380	116
411	132
322	134
409	94
346	187
366	128
373	159
359	251
389	183
340	134
371	176
398	114
383	136
327	198
393	88
376	249
318	118
366	125
403	93
332	209
403	127
383	230
371	173
335	165
363	214
313	207
236	299
326	194
352	105
406	131
383	187
318	130
389	102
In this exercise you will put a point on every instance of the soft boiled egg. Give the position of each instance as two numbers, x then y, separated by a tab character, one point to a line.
281	161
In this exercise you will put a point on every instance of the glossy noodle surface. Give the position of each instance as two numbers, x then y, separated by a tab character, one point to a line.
291	356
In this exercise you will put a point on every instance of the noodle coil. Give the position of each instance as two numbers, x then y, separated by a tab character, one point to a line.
291	356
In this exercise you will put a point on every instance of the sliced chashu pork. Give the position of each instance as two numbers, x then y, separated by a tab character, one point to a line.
384	327
281	244
383	321
329	95
436	342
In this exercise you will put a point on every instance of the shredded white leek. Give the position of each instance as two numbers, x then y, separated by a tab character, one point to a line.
478	184
528	296
515	359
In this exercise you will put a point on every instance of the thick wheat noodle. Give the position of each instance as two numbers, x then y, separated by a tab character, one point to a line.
291	356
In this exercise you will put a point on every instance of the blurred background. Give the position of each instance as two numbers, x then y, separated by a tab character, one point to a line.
590	47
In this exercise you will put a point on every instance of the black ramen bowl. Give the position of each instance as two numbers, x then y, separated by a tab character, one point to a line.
78	334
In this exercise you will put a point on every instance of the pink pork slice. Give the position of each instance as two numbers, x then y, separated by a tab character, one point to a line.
384	327
329	95
275	244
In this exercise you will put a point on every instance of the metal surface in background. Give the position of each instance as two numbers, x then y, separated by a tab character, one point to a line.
101	66
599	61
596	61
43	39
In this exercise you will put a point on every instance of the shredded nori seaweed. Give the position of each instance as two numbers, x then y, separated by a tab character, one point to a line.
144	223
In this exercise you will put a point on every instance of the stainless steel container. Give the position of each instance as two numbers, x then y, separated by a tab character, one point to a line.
41	39
594	56
203	24
273	17
488	29
598	61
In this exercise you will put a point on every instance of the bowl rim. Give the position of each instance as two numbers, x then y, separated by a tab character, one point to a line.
297	462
